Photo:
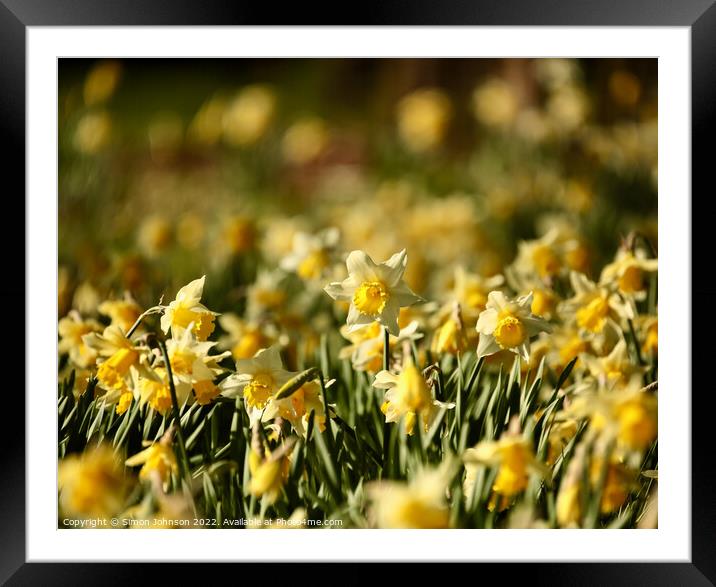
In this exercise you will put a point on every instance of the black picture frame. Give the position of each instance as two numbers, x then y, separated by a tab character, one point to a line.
699	15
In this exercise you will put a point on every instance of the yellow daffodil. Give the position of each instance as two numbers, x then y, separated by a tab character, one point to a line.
244	338
297	408
266	296
257	380
123	313
541	257
560	434
407	396
420	503
312	254
617	485
450	338
154	236
508	325
617	366
191	364
186	311
71	329
305	140
269	470
626	412
566	343
153	388
593	307
248	115
117	370
238	234
158	458
423	116
366	352
92	484
650	327
628	272
513	456
470	291
376	291
495	103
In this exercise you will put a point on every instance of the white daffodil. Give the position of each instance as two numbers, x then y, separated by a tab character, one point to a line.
186	310
257	380
376	292
508	325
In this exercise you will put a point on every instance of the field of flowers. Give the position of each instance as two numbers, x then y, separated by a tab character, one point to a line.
358	294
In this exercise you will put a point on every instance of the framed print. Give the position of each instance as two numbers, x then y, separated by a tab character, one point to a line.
411	292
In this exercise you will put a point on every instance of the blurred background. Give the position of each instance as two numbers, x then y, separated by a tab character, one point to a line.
171	169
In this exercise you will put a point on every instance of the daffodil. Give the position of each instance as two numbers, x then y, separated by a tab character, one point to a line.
560	434
269	470
628	272
366	352
154	236
649	326
297	408
566	343
156	459
266	296
305	141
508	325
617	484
626	413
117	369
244	338
617	366
153	388
186	311
423	116
71	329
257	380
470	291
408	395
593	307
495	103
420	503
376	291
123	313
248	116
541	257
192	364
312	254
450	338
92	484
238	235
514	459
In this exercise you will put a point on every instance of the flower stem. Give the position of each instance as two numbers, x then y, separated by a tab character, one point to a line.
142	316
175	411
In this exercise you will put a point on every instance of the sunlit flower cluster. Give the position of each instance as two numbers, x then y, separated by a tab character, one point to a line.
447	321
